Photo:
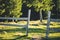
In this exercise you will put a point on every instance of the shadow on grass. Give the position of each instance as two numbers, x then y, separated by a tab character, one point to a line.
54	38
18	25
24	37
36	30
13	30
31	30
34	24
58	24
46	24
55	30
1	38
40	24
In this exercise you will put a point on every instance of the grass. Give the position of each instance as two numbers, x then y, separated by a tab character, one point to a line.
36	30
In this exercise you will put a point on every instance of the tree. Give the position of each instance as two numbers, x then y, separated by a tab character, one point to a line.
16	8
58	5
10	8
44	5
40	5
34	3
3	7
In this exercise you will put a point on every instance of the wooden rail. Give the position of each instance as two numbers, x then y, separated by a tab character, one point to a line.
10	18
55	20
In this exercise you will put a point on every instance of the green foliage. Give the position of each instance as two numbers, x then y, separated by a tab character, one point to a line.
11	8
40	4
16	8
48	4
58	5
37	5
2	10
43	5
5	7
28	2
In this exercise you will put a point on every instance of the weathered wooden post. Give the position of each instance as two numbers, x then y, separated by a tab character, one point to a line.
29	13
48	24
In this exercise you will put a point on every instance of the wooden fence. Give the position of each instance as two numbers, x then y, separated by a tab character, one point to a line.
24	18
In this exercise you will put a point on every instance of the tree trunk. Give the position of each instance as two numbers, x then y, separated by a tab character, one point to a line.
41	16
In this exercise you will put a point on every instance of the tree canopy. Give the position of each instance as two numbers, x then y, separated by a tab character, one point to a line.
40	4
11	8
16	8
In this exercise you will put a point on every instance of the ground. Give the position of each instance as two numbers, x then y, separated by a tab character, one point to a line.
37	30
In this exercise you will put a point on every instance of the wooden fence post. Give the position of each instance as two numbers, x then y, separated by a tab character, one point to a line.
48	24
29	13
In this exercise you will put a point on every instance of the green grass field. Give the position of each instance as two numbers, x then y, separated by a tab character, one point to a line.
36	30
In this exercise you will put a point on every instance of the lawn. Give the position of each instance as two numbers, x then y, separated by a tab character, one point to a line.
37	30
